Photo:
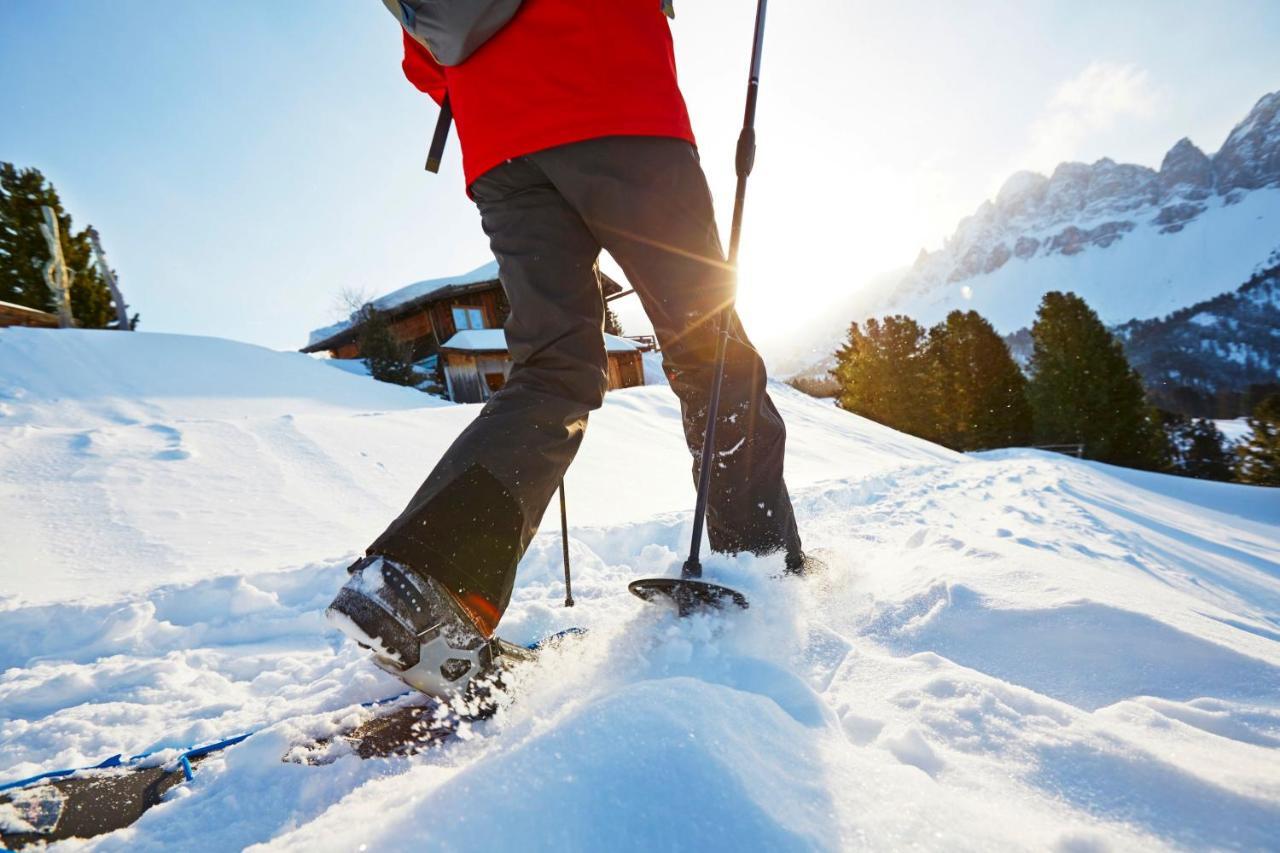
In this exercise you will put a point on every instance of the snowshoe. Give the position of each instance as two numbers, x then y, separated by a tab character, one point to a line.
82	806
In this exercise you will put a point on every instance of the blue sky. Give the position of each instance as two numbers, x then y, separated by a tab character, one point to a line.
245	161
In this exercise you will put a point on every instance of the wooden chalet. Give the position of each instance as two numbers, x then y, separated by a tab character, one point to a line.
20	315
476	364
458	320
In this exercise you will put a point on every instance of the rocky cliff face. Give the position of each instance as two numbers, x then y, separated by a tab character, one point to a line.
1088	207
1250	158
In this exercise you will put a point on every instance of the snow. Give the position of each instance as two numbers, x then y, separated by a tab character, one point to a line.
1234	430
653	372
408	293
354	366
495	340
1009	650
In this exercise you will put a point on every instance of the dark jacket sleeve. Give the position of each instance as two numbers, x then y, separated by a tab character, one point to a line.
422	70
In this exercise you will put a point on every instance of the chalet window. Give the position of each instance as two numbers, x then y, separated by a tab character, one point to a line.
465	317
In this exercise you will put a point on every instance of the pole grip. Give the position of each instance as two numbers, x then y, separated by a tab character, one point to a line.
745	158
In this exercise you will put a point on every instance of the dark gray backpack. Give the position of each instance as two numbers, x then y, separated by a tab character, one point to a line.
452	29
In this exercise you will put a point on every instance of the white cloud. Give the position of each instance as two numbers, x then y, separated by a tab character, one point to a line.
1087	106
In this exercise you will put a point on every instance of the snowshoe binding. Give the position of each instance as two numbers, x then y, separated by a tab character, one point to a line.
416	630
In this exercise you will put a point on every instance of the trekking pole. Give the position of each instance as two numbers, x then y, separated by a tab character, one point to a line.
743	161
564	541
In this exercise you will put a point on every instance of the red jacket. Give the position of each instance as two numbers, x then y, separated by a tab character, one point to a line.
561	71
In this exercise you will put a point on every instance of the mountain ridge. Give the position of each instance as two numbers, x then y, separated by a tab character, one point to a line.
1083	206
1137	243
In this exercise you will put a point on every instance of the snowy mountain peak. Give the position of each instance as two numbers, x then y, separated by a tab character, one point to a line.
1186	171
1084	206
1090	207
1250	158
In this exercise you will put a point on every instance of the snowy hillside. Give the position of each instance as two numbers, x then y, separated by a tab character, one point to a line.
1011	650
1230	341
1135	242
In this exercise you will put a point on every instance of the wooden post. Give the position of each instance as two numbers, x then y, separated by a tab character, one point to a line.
56	274
122	309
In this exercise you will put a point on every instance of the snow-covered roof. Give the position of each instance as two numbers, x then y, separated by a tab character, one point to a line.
495	340
410	293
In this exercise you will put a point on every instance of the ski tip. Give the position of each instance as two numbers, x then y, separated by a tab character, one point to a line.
688	596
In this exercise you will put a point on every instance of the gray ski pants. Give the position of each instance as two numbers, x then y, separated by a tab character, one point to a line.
548	215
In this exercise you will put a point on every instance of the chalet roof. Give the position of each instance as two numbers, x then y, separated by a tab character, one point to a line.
495	340
411	296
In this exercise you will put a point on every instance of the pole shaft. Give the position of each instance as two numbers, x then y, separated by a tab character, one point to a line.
744	161
564	541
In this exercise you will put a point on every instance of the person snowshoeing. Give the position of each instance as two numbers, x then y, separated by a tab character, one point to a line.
575	138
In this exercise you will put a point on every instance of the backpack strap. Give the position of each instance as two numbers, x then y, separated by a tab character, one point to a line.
436	152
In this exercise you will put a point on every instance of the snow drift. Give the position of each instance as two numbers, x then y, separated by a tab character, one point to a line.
1010	650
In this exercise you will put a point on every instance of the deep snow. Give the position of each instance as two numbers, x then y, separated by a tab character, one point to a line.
1010	650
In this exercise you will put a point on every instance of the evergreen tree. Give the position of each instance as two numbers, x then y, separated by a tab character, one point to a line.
612	325
1197	447
981	396
884	373
388	360
24	252
1082	389
1258	457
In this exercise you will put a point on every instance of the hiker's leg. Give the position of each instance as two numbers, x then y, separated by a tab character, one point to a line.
473	518
646	201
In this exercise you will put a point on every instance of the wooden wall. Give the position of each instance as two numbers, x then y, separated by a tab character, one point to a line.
626	370
411	327
472	378
20	315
